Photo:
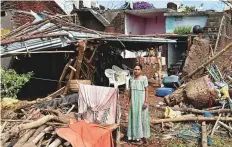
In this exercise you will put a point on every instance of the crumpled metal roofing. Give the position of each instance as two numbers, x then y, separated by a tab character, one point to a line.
36	44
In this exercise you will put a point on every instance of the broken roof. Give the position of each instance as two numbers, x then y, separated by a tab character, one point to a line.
56	31
96	14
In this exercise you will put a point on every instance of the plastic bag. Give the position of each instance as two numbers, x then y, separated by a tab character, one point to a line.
225	92
169	113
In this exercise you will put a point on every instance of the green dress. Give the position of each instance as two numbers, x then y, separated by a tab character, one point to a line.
139	119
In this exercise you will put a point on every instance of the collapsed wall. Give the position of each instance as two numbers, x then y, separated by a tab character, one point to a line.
198	54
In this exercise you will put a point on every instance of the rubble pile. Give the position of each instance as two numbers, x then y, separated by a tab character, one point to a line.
202	96
35	125
198	54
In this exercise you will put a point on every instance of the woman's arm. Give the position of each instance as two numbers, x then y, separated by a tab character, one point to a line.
146	94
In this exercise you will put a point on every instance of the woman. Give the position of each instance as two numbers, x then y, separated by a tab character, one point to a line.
139	122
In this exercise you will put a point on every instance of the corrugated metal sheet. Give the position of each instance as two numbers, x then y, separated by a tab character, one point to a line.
51	43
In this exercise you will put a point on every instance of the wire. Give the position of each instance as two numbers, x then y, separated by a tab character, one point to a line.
47	79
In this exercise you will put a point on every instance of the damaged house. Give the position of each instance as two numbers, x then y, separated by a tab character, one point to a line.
74	59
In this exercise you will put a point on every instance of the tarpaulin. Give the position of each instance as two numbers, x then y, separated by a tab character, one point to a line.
83	134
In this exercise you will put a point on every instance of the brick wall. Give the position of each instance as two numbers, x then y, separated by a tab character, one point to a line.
36	6
118	24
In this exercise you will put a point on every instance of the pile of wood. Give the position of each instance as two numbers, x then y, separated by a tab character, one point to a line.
33	126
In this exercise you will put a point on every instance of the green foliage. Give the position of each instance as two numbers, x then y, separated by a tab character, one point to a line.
182	30
11	82
190	8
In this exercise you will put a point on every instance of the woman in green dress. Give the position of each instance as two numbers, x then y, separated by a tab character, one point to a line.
139	119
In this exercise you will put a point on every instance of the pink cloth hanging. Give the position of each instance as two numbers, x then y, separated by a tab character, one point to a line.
99	102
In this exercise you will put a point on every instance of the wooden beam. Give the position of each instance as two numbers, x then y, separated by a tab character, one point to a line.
72	68
64	72
226	126
228	47
190	118
204	135
70	78
20	39
81	50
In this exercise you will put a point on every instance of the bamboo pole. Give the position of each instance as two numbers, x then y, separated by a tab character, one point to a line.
228	47
219	33
64	72
45	30
40	52
196	118
35	27
15	30
217	121
226	126
91	58
20	39
204	134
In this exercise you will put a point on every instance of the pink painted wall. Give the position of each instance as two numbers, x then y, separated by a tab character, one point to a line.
153	27
141	25
134	24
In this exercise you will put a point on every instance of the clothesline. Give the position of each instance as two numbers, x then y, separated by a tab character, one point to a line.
48	79
66	82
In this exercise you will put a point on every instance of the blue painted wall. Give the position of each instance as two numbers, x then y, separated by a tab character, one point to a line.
174	21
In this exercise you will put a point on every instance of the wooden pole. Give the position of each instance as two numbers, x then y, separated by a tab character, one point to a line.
217	121
228	47
72	68
81	50
15	30
33	28
226	126
70	78
40	52
77	64
197	111
219	33
204	135
20	39
64	72
196	118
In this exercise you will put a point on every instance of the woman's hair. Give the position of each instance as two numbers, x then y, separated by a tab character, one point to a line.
137	64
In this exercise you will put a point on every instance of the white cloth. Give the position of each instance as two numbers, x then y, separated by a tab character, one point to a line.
129	54
99	102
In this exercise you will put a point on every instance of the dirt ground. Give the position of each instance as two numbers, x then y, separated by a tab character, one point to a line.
159	133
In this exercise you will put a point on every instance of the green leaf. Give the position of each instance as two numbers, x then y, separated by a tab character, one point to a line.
11	82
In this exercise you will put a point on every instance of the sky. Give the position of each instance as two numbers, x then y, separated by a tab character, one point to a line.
207	4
